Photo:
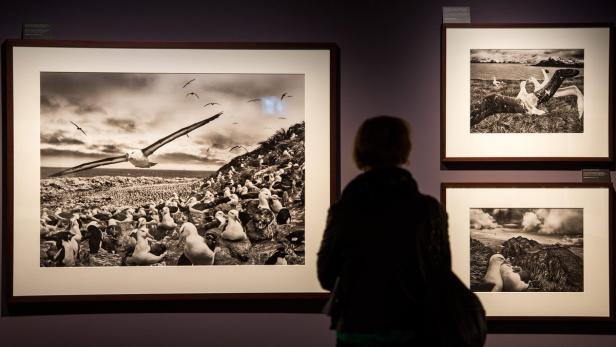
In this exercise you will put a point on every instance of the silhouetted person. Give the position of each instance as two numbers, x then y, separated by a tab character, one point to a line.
375	234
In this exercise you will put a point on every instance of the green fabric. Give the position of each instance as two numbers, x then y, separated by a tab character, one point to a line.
375	338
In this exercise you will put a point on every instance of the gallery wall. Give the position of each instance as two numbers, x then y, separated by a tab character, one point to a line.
390	64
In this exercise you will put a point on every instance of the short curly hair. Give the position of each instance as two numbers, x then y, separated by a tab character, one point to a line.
382	141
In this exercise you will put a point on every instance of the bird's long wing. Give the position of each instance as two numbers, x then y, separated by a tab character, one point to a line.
147	151
187	83
91	165
83	131
238	146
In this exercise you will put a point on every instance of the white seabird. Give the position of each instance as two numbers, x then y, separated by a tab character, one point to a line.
139	158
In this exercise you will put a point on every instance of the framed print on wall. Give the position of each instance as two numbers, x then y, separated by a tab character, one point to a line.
166	173
539	256
526	93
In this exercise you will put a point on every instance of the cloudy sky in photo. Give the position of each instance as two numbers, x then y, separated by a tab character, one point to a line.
526	56
546	221
121	112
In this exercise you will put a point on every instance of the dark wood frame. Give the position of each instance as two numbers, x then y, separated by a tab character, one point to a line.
194	302
526	162
549	324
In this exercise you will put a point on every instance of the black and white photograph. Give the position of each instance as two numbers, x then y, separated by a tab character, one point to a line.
527	90
171	169
526	249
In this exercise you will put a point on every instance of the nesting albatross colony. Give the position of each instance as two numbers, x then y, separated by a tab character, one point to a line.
250	211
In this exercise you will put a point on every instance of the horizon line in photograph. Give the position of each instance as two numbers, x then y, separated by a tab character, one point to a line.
537	57
46	172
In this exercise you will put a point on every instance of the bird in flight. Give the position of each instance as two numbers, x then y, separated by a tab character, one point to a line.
79	128
139	157
211	103
285	95
235	123
193	94
282	117
189	82
253	100
238	146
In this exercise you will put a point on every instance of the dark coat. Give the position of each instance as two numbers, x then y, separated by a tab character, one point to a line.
381	237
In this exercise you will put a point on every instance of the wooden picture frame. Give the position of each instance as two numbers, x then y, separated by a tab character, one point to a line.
498	217
28	67
492	121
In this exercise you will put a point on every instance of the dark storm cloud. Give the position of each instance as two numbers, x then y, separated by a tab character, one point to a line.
216	140
49	104
78	84
177	156
82	109
53	152
249	86
127	125
569	53
507	215
226	140
557	221
59	138
108	148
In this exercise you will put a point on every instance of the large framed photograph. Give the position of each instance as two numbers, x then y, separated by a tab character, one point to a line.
539	254
157	171
526	93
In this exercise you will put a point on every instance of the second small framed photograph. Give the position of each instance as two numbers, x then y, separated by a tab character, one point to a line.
535	253
526	93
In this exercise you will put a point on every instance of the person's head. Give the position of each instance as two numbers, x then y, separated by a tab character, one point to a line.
382	141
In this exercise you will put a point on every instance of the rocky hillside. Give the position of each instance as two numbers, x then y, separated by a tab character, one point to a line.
553	268
277	164
271	152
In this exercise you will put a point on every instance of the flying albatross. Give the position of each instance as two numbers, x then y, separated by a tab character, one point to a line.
139	158
79	128
238	146
187	83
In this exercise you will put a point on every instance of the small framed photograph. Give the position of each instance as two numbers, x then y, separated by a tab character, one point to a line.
534	252
526	93
166	173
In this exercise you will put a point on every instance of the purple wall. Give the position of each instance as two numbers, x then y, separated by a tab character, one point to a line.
390	53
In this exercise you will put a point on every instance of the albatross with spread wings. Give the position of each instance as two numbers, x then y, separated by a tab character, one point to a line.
79	128
139	157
